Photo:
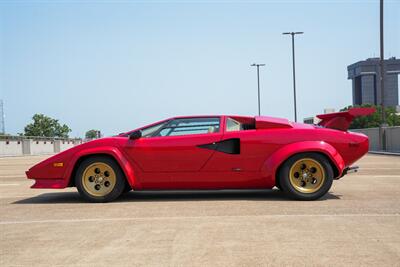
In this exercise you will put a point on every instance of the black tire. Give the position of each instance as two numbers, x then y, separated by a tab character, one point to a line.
118	183
127	187
290	188
278	184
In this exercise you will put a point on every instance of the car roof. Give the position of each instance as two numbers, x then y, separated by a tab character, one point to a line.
188	117
209	116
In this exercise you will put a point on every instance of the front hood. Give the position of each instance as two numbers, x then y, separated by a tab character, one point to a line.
55	166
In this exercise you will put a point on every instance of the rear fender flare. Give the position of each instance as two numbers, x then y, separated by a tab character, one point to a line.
271	165
105	150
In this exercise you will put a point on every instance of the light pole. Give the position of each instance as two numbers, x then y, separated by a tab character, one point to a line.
258	83
382	79
2	118
294	72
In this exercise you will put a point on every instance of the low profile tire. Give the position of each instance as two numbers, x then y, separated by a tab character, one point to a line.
127	188
306	176
99	179
278	184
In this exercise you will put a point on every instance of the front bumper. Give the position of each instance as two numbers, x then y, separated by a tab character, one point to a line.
51	183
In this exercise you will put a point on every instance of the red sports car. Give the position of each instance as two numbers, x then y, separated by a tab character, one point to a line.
211	152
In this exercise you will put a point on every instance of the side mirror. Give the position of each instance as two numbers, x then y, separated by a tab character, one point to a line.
135	135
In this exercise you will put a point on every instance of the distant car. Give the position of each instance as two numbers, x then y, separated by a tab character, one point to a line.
211	152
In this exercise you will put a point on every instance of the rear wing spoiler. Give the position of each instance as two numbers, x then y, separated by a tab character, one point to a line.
342	120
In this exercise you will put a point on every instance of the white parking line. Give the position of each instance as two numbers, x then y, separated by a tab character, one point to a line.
380	168
200	217
4	197
8	184
374	176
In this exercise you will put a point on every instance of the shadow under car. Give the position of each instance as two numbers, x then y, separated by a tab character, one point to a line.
171	195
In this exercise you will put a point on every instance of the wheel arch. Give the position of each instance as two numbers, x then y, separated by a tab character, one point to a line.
273	164
335	169
110	152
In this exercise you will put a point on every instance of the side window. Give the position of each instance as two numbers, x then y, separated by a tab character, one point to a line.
190	126
150	131
232	125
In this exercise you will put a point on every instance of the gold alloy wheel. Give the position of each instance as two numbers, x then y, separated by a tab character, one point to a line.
307	175
99	179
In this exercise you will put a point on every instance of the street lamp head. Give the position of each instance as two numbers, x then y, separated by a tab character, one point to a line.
257	65
292	33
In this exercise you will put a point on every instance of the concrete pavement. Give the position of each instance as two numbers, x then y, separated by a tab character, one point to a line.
357	223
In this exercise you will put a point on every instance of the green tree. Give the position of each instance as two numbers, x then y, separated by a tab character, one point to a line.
45	126
91	134
375	119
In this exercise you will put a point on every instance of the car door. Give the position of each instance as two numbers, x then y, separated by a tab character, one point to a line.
239	160
174	148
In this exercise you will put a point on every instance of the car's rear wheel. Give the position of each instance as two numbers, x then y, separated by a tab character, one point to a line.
306	176
99	179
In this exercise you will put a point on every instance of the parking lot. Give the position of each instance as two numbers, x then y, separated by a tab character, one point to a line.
357	223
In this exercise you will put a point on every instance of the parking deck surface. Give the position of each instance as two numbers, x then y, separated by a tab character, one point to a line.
356	223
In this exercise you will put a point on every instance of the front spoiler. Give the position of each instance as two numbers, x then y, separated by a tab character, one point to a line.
49	183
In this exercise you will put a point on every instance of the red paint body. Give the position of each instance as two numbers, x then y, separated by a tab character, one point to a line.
176	162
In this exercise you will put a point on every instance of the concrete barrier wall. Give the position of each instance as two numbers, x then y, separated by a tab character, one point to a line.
41	147
19	146
392	138
11	148
66	144
373	135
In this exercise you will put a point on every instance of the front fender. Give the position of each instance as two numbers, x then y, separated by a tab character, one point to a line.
107	150
271	165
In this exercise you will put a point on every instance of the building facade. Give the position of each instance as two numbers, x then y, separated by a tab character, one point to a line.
366	84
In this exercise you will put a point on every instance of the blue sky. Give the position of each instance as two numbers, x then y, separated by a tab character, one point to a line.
116	65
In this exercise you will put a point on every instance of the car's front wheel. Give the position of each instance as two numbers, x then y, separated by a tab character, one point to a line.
99	179
306	176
